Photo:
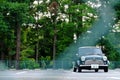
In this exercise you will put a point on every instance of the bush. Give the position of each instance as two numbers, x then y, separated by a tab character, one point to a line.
28	63
114	64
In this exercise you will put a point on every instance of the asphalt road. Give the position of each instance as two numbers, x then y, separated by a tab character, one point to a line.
58	75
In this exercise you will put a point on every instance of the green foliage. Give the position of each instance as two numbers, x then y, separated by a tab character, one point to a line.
6	36
114	64
47	58
27	52
109	50
28	63
68	22
117	8
3	25
21	1
18	12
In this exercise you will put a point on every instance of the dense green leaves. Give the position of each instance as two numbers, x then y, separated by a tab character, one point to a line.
117	8
39	26
109	50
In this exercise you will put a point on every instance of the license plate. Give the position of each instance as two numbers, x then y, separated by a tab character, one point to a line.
94	66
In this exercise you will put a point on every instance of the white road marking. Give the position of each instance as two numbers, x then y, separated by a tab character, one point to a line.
118	78
21	72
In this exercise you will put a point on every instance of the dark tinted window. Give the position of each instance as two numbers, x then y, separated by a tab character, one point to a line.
89	51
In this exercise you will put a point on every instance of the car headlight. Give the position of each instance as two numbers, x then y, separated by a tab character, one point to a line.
104	58
83	58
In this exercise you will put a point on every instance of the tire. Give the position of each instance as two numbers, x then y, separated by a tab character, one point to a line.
96	70
106	69
74	69
79	69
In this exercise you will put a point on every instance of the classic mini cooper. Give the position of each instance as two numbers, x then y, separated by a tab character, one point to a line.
90	58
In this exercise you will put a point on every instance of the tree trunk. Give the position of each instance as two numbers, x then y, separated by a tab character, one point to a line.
2	55
80	21
37	43
18	45
54	46
53	10
37	51
80	25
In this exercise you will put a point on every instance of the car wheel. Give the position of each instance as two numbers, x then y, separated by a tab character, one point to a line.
75	69
79	69
106	69
96	70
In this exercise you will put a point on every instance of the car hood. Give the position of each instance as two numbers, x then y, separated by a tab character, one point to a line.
93	57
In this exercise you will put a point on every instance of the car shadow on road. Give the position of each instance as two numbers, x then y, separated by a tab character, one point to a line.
91	71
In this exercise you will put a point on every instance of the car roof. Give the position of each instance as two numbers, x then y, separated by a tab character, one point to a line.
90	47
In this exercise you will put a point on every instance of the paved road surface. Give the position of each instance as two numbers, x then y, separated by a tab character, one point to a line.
58	75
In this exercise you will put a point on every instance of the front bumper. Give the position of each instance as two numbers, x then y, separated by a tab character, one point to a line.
90	67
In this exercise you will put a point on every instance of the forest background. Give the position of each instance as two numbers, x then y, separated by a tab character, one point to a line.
34	31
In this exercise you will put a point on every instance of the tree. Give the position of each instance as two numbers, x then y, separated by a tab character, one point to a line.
117	9
53	7
6	32
109	50
3	37
18	14
68	25
51	33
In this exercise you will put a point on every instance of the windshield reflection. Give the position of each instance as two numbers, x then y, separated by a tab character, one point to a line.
90	51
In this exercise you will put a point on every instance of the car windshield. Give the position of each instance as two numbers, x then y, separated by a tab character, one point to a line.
90	51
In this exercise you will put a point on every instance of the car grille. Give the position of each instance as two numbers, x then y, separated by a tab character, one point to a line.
89	62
